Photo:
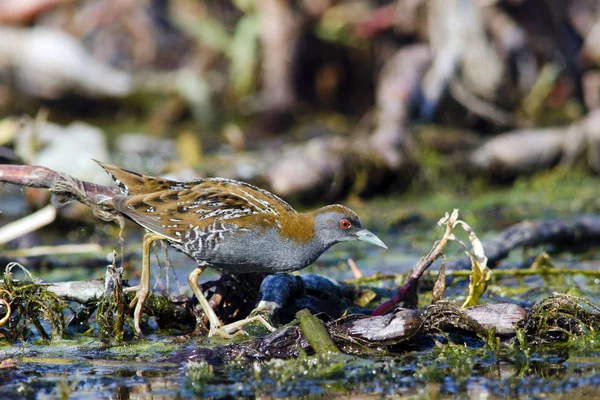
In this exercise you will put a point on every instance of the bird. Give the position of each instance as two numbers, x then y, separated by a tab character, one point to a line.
227	225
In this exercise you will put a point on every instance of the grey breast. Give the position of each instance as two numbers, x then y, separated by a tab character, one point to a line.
232	249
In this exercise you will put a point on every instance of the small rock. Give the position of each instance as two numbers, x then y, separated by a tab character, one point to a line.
502	317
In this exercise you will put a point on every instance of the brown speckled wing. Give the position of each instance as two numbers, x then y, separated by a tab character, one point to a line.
132	183
235	192
171	213
130	207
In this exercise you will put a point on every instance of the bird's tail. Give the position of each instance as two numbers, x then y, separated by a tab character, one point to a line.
132	183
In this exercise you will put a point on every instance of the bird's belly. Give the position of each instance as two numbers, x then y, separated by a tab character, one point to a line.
265	256
244	253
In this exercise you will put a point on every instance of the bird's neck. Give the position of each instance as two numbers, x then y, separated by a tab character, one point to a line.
299	227
298	231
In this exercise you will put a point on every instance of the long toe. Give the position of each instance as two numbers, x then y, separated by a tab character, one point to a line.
134	301
236	328
225	334
138	302
131	289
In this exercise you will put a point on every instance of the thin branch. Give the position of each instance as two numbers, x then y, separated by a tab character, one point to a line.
28	224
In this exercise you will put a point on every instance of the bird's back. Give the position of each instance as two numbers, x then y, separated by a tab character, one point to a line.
171	209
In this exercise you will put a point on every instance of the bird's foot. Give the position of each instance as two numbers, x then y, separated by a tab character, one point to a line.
138	302
131	289
269	315
235	328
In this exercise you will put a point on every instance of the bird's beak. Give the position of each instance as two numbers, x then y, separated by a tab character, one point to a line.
367	236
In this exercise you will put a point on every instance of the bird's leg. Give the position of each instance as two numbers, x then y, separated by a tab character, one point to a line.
216	326
143	289
213	320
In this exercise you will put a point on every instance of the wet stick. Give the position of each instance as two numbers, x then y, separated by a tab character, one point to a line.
510	272
27	224
316	333
68	249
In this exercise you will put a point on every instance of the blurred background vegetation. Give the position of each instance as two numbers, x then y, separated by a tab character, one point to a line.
490	106
316	100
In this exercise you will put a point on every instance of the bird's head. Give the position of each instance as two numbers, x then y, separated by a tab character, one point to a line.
337	223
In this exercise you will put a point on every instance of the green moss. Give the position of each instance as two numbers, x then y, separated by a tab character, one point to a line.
198	374
143	348
314	367
562	318
30	304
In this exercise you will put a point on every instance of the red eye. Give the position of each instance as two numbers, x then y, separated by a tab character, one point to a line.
345	224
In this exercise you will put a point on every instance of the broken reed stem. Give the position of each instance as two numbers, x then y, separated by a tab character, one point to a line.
407	293
356	272
438	247
30	223
316	333
514	272
67	249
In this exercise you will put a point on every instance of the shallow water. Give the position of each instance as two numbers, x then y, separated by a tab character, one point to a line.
86	368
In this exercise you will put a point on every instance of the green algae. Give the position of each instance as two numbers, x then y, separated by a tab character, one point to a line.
143	348
561	318
31	304
332	373
199	374
110	315
566	361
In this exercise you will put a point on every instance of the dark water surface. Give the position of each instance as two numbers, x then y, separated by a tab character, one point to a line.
85	368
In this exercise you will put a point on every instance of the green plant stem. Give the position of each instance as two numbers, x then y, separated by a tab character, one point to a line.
316	333
501	272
